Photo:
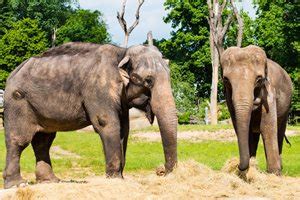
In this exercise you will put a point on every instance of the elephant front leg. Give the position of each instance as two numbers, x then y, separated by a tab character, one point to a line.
109	130
41	144
270	137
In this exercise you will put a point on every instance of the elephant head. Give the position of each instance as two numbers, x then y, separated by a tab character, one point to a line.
245	77
148	88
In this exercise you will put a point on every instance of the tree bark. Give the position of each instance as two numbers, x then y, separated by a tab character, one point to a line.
125	44
123	23
218	31
150	38
240	23
54	37
214	88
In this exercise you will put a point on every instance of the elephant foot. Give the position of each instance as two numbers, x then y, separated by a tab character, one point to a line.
242	174
277	172
166	169
111	174
48	179
19	182
44	173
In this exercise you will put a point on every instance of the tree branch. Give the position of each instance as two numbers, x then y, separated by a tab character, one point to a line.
223	5
120	16
226	25
137	16
213	32
122	21
240	23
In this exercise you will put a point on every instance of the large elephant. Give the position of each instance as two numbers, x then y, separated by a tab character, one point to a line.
258	94
78	84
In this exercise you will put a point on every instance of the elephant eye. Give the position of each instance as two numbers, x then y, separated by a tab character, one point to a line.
149	81
136	79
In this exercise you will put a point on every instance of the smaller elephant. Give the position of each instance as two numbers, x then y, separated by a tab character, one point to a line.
258	95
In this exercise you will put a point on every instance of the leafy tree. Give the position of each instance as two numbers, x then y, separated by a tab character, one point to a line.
49	14
84	26
248	33
6	16
188	49
189	44
22	41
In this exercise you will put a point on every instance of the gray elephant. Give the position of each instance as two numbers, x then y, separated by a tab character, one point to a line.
258	95
80	84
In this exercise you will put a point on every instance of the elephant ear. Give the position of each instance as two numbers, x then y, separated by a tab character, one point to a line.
123	71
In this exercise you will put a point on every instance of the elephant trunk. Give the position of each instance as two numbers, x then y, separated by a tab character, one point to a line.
163	106
243	104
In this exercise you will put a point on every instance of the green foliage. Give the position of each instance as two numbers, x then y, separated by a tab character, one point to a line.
276	29
49	14
188	50
295	109
223	112
19	43
183	90
188	46
6	17
184	118
84	26
248	32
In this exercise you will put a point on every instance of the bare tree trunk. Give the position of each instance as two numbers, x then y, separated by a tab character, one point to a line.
240	23
125	44
123	23
150	38
214	88
54	37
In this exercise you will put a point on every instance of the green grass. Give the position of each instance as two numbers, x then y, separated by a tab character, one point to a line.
294	128
144	156
210	128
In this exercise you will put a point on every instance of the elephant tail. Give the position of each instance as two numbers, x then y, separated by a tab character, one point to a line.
287	141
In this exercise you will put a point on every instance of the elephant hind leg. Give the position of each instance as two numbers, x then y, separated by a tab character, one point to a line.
18	135
41	144
281	134
12	173
253	142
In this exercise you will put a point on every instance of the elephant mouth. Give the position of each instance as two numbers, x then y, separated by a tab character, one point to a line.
139	102
143	103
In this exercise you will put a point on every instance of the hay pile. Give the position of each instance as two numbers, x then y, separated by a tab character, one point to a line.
190	180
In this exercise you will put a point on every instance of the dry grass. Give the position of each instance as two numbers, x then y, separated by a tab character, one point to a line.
190	180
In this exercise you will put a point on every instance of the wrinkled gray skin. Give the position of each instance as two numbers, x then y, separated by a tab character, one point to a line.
78	84
258	94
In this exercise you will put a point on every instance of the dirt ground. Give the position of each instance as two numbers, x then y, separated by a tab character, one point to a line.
196	136
190	180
